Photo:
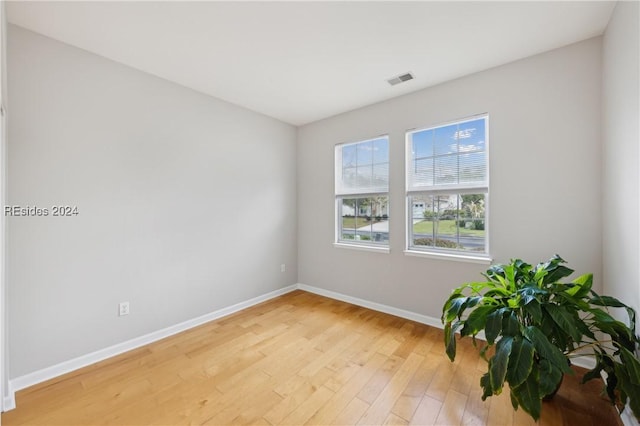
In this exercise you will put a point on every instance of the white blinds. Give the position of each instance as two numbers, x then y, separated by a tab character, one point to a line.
362	168
453	156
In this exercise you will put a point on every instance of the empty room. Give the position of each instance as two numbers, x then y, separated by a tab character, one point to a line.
322	213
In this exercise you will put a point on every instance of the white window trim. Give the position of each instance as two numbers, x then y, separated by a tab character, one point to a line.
432	254
364	247
354	244
436	253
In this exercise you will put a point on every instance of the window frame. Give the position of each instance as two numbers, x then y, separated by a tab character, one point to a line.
447	189
340	195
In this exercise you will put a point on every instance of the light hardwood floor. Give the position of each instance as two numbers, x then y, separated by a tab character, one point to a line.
297	359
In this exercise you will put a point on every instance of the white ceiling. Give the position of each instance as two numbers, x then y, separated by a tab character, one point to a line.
304	61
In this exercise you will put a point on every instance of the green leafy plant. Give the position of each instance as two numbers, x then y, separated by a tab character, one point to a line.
534	324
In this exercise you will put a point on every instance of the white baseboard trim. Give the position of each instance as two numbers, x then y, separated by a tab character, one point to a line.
9	402
627	417
48	373
585	362
423	319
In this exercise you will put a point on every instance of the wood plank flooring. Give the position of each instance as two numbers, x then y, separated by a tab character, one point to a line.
297	359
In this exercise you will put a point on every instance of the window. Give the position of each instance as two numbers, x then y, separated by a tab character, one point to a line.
362	192
448	188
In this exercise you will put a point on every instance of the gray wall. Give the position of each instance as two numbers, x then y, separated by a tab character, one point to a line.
4	391
545	194
621	154
187	204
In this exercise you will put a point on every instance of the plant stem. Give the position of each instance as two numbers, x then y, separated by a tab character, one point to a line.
599	343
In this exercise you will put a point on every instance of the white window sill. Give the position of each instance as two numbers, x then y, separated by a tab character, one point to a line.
484	260
362	247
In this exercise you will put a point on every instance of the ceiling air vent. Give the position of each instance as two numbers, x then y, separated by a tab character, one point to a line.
400	79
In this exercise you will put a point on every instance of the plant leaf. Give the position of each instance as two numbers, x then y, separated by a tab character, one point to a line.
476	286
607	301
498	364
578	303
601	316
592	374
550	377
520	361
630	390
533	309
528	395
583	286
539	274
485	383
493	325
477	320
631	364
498	291
514	400
554	270
565	321
509	275
510	324
453	308
615	303
450	339
483	352
546	350
619	331
557	274
612	384
584	328
608	366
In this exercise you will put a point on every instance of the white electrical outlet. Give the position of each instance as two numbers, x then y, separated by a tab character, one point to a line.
283	267
123	309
